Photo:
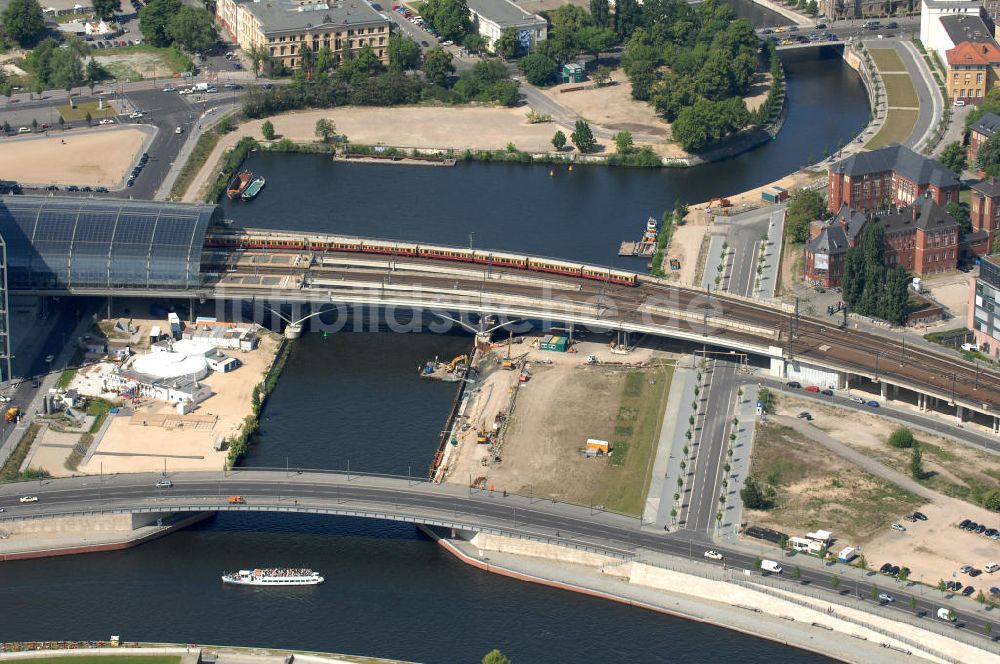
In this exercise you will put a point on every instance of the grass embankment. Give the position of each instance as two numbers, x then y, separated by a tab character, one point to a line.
202	149
11	469
899	91
901	99
623	485
108	659
80	111
813	488
239	444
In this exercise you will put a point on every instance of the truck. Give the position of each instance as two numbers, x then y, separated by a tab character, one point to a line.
237	500
200	87
11	414
770	566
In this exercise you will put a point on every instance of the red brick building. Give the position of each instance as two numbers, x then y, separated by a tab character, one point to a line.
893	175
922	238
979	133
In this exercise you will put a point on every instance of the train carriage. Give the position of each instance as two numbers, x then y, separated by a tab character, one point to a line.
557	267
508	260
386	247
448	253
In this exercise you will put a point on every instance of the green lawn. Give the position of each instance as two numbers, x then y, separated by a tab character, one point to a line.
899	89
109	659
637	432
79	112
886	59
897	127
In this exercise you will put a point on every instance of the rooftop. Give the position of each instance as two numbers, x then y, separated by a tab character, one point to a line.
966	27
900	160
986	125
852	221
989	187
973	53
924	214
287	15
503	13
831	240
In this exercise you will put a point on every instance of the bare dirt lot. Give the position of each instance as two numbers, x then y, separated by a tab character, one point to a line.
94	157
933	549
611	106
685	246
557	410
155	432
817	489
952	291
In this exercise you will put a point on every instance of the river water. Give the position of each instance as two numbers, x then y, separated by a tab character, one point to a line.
356	398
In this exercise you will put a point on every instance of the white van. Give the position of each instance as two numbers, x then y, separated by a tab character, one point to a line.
770	566
946	614
991	567
970	347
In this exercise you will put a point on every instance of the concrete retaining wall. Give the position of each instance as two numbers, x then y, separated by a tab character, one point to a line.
61	526
488	542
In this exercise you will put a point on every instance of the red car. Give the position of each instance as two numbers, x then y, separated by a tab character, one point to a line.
812	388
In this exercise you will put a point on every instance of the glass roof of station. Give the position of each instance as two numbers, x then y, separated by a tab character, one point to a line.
66	243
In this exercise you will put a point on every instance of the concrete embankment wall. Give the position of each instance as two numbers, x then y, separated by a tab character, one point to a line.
534	549
62	526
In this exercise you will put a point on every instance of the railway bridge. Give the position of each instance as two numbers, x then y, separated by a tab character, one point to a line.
74	247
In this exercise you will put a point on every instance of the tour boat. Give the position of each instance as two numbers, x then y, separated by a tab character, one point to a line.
273	577
238	184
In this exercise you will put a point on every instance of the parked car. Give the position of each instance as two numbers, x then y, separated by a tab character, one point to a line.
713	555
794	384
820	26
884	569
101	190
910	518
812	388
965	569
857	400
29	499
828	393
805	415
134	115
964	524
873	404
975	572
164	484
959	102
170	88
179	130
899	527
920	515
894	570
968	591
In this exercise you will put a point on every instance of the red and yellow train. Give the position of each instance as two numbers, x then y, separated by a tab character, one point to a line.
237	239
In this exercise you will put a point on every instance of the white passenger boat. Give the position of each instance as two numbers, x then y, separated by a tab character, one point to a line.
273	577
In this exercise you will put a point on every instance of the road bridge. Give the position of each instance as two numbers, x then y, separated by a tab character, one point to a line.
404	499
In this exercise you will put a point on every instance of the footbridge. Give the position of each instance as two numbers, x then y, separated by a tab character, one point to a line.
81	247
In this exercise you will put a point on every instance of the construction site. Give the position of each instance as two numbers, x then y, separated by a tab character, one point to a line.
569	419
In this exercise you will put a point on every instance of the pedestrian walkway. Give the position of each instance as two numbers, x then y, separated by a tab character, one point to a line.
670	448
768	284
713	260
746	413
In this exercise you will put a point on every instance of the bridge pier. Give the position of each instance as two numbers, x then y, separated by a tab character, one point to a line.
959	414
293	331
883	391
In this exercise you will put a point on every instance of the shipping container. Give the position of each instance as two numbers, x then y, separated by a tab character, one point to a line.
554	342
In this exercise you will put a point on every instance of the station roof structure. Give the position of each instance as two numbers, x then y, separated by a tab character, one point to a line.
68	243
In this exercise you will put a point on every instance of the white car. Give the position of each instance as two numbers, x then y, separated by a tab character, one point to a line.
29	499
959	103
857	400
179	130
185	91
164	484
886	597
713	555
106	121
135	115
170	88
2	510
898	527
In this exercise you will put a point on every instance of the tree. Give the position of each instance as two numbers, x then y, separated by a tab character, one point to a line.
796	573
106	8
192	28
154	20
600	12
623	142
942	586
834	582
404	53
325	129
901	438
916	463
559	140
754	497
804	207
913	604
23	21
988	156
602	76
583	137
450	18
874	592
267	130
88	118
981	598
953	156
438	66
495	657
992	500
506	45
766	399
628	16
812	8
66	71
474	43
258	55
960	213
538	69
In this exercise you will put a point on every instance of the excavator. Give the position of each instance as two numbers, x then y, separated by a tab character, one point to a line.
461	359
508	363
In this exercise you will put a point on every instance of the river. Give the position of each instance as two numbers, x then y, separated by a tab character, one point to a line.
357	397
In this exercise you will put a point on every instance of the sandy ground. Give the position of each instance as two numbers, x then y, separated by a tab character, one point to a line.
424	127
685	246
51	452
554	415
94	157
13	70
952	291
145	64
187	447
931	549
790	182
611	106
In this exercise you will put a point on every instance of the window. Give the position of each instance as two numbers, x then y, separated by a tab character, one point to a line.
979	78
